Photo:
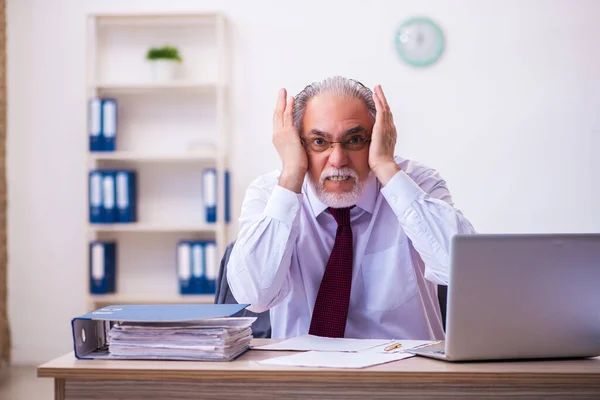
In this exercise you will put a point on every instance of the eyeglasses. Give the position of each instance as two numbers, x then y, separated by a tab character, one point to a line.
319	145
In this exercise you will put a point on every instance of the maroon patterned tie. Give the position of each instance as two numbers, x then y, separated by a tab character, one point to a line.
331	307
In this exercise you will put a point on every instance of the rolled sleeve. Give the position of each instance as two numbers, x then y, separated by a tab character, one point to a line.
283	205
401	192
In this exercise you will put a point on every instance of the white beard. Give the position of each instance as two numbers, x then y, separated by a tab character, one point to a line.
338	200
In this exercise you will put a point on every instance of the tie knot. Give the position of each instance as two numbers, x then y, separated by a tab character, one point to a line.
341	215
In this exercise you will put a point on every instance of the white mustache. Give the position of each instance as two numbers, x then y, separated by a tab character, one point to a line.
329	172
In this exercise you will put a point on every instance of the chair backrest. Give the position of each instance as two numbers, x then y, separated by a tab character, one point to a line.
262	326
443	298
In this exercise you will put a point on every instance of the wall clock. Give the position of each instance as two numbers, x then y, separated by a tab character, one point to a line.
419	42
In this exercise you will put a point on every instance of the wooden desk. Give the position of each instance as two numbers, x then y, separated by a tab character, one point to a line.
243	379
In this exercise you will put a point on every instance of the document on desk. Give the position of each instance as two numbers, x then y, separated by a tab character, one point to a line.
336	359
342	353
310	342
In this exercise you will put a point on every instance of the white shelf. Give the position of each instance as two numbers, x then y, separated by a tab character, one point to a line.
150	298
154	20
195	156
156	86
153	228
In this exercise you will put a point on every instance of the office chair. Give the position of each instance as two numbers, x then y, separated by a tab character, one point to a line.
261	328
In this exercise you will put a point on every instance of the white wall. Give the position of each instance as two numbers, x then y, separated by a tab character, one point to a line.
509	116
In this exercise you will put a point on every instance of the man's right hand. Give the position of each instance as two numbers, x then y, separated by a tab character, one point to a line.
289	147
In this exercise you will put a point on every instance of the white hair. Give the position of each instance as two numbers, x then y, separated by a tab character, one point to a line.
337	85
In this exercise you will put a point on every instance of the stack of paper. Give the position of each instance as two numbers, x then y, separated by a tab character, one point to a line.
205	339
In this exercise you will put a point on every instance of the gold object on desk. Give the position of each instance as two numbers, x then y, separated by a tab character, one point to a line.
393	346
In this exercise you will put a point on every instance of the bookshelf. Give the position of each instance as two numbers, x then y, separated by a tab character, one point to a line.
168	132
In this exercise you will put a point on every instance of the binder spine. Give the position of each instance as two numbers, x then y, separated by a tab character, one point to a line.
209	194
227	197
109	197
95	197
198	267
126	196
212	266
109	124
102	259
184	268
95	124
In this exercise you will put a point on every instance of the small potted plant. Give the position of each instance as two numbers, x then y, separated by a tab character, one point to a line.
164	61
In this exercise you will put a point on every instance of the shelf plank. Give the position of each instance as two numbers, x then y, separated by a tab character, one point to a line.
195	156
151	298
156	86
153	227
156	19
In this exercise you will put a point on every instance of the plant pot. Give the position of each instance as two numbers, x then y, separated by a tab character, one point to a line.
163	70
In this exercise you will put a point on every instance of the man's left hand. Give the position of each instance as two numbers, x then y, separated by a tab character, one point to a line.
383	140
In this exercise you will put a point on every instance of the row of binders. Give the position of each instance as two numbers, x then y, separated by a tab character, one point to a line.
113	196
196	267
102	124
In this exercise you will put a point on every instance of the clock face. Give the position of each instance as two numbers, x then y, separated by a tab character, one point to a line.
419	42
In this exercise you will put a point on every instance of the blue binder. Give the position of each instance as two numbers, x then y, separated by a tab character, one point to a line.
227	196
95	197
109	197
184	267
95	124
109	124
211	266
210	194
102	260
198	267
126	195
90	331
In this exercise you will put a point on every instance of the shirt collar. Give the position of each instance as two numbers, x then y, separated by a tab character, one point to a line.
366	202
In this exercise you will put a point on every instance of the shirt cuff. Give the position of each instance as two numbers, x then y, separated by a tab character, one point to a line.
283	205
400	192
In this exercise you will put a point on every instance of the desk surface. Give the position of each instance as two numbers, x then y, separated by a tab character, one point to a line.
416	369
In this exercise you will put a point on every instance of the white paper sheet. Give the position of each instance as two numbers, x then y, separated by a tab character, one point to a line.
405	345
310	342
327	359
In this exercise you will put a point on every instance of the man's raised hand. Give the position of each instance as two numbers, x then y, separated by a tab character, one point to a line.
287	142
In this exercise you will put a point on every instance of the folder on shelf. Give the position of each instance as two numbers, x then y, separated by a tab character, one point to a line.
95	124
109	197
227	196
95	197
211	266
198	268
210	194
102	260
126	195
184	267
168	332
109	124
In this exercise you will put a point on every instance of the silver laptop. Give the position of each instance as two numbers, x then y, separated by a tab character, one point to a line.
522	296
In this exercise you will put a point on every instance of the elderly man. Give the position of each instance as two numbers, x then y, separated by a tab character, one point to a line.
346	240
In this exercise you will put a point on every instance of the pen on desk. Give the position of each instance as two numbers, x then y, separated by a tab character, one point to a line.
393	346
